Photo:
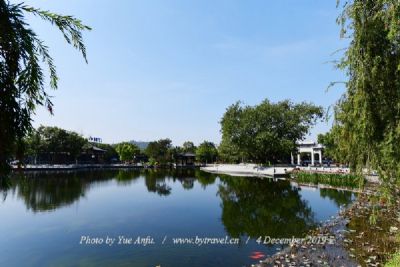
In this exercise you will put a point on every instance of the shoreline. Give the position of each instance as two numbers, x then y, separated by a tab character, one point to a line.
70	167
240	170
67	167
357	242
254	170
329	253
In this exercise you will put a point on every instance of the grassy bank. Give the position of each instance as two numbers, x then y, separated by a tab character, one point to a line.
373	242
332	179
395	261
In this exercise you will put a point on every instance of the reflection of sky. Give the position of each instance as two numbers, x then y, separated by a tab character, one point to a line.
323	207
109	208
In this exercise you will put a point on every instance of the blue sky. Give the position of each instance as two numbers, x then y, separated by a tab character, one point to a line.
170	68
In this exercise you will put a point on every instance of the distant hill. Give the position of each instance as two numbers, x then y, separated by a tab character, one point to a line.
141	144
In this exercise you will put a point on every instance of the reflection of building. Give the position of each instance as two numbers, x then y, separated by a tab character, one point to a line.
309	147
185	160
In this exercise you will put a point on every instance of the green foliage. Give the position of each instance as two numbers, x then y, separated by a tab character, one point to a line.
48	191
340	197
256	207
206	152
110	154
395	261
70	27
229	152
160	151
22	79
368	114
127	151
54	140
126	177
266	132
152	162
188	147
204	178
330	141
339	180
175	151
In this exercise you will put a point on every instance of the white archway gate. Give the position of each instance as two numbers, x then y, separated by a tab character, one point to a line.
310	147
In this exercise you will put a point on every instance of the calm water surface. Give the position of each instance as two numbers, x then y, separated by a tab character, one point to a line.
43	217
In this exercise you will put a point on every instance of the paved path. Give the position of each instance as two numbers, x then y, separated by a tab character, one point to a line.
246	170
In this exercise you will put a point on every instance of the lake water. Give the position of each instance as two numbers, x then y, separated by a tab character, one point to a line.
45	216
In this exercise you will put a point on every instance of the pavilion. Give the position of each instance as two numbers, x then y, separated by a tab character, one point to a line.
309	147
185	160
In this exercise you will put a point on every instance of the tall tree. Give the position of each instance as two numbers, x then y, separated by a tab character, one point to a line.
229	152
267	132
127	151
188	147
22	78
206	152
368	114
160	151
54	141
330	142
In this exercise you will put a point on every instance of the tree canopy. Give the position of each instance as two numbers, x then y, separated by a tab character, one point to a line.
54	140
206	152
110	154
266	132
368	114
330	142
127	151
160	151
188	147
22	79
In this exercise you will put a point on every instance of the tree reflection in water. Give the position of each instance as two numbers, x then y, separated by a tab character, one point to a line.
205	178
249	207
47	191
5	185
127	177
340	197
262	207
155	182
